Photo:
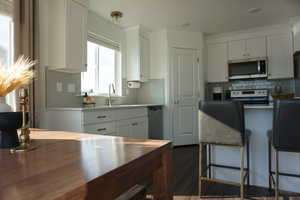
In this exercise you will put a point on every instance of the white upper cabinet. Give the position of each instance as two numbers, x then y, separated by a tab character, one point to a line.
138	54
247	49
67	35
296	32
237	50
280	51
217	65
256	47
145	58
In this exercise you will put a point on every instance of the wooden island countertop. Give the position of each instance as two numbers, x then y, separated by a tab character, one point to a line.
83	166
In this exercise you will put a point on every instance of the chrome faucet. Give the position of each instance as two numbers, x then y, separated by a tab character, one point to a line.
111	90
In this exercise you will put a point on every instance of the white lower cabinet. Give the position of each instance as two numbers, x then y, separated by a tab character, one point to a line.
103	128
133	128
129	122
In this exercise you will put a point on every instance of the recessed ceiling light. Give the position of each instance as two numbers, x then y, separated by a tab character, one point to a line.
254	10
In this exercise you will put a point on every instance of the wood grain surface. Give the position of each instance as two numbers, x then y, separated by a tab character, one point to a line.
82	166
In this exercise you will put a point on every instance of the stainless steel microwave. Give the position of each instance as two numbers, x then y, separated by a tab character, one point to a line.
248	69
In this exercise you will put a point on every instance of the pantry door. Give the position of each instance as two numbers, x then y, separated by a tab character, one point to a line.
185	69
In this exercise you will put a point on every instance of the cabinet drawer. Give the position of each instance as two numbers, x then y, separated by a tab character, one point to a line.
103	129
93	117
131	113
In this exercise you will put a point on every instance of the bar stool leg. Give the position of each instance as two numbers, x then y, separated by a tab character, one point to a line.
277	175
270	164
242	151
200	167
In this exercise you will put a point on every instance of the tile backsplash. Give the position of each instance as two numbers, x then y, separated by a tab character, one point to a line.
151	92
287	85
63	90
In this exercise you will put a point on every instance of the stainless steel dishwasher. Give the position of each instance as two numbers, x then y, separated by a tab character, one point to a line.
155	117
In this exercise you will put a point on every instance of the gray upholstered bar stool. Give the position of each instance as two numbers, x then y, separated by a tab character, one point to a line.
284	137
222	123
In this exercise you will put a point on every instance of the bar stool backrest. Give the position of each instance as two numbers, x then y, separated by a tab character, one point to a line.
286	125
221	122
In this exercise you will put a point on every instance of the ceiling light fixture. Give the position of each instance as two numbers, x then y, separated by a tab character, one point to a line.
254	10
116	16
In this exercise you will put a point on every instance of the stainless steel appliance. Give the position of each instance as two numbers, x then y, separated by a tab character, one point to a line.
297	64
155	122
248	69
217	93
252	96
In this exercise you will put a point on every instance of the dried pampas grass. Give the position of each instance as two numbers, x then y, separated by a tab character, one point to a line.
16	76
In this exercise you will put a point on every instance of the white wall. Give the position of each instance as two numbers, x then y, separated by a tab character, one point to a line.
183	39
161	41
158	55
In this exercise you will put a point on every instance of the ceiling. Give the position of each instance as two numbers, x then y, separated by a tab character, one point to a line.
208	16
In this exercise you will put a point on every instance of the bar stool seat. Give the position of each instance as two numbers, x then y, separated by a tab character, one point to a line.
222	123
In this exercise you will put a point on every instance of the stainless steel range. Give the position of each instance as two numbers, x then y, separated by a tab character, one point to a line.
250	96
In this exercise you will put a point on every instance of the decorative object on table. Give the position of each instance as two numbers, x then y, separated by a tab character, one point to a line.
88	101
9	123
12	78
25	142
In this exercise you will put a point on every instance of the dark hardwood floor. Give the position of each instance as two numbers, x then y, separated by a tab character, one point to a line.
185	169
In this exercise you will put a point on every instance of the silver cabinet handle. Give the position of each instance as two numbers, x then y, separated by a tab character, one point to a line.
135	124
101	129
101	117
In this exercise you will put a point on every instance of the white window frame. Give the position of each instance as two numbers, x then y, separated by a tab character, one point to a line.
102	41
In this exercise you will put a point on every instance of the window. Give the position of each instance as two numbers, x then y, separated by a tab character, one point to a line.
103	68
6	42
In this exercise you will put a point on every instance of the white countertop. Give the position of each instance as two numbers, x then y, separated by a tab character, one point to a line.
259	106
100	107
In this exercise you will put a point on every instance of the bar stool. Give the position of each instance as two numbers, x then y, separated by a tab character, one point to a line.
222	123
284	137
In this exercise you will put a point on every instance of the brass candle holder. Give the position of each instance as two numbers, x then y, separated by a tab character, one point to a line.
24	137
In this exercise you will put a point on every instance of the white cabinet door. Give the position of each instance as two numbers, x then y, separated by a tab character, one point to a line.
280	51
133	128
102	128
256	47
217	66
67	38
237	50
124	128
138	54
247	49
140	128
77	36
145	58
185	90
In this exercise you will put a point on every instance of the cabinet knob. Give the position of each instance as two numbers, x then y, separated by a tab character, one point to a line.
135	124
101	129
101	117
